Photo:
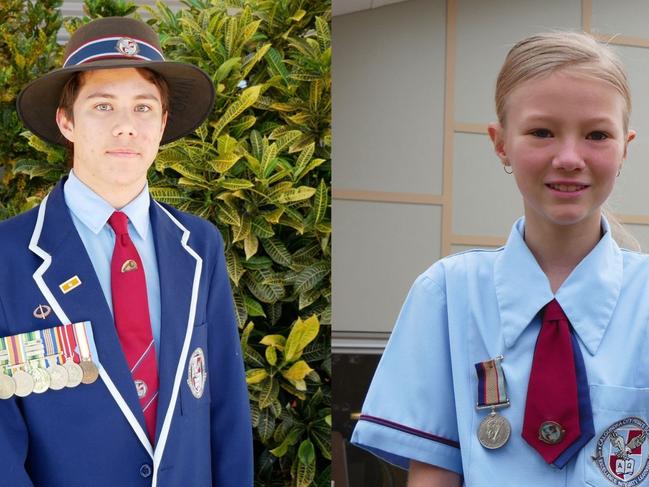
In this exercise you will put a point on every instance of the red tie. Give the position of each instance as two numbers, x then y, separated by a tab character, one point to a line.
131	311
551	422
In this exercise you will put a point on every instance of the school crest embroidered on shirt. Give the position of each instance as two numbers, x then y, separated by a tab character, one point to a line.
196	373
623	452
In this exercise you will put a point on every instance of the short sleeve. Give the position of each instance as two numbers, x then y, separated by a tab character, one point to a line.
409	411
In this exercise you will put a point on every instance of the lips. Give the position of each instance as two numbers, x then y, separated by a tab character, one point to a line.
567	188
122	152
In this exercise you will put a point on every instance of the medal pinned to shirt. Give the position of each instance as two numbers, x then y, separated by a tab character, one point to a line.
494	429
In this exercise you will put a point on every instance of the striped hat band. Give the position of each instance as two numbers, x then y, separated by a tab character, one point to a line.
113	47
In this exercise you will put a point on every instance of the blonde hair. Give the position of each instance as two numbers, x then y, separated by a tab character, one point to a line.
544	54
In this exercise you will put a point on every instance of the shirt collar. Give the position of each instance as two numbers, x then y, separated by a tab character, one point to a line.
94	211
588	296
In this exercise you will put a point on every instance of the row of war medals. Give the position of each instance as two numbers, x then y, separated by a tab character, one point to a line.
34	362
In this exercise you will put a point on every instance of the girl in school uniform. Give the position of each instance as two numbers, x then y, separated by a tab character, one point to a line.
529	364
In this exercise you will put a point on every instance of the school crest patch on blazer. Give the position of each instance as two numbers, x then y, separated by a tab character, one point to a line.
197	373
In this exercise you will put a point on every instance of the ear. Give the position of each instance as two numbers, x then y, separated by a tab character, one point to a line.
497	136
165	116
629	137
66	126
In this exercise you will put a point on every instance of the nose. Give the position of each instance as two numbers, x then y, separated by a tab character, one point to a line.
568	156
124	125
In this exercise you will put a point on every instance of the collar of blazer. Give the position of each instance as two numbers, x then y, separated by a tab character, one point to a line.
56	241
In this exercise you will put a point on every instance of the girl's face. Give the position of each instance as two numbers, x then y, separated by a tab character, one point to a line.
565	142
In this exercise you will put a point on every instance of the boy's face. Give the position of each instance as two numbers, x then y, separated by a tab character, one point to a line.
116	131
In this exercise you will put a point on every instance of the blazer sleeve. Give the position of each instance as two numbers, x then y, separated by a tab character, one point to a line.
13	441
232	453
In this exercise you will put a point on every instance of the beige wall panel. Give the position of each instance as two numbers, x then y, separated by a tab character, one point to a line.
630	193
641	233
378	251
485	32
388	98
485	198
627	17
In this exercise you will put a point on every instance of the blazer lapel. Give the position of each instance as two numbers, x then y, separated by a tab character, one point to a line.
179	268
56	240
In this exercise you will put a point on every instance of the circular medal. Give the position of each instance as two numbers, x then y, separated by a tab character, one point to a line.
494	431
41	379
7	386
58	377
75	374
90	371
24	383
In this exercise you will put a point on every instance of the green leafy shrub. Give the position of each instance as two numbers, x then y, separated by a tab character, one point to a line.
260	169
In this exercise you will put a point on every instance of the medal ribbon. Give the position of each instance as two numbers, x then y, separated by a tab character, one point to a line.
33	348
4	356
20	348
14	353
82	341
51	352
71	343
492	391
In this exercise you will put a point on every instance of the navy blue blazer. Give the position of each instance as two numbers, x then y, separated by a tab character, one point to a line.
94	435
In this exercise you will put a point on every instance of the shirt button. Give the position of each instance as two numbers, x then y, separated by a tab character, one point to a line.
145	471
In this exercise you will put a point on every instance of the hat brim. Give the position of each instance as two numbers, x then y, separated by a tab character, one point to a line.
191	97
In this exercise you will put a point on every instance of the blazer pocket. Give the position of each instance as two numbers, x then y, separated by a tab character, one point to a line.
194	388
618	454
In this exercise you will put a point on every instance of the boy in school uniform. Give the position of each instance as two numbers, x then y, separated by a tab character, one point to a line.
120	361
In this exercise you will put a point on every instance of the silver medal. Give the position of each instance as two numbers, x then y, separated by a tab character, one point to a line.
494	431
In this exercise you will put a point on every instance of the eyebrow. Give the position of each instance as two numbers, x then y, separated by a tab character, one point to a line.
142	96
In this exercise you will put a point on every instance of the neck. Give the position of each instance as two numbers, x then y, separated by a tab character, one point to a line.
118	196
558	249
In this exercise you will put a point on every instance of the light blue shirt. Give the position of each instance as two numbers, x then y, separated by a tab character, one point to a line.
476	305
90	214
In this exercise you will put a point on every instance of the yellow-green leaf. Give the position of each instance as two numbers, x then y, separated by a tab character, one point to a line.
233	263
224	162
271	355
302	333
250	244
321	202
277	251
242	231
247	98
296	194
297	371
234	184
268	393
255	376
277	341
226	144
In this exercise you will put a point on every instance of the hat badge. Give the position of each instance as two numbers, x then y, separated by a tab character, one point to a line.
127	46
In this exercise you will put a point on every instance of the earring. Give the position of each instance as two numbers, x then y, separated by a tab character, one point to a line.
505	169
618	172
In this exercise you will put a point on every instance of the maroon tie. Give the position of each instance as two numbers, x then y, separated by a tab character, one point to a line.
551	422
131	311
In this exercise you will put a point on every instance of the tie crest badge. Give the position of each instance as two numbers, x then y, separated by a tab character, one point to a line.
622	454
129	265
196	373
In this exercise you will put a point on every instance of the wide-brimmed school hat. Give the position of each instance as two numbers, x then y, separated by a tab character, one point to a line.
118	42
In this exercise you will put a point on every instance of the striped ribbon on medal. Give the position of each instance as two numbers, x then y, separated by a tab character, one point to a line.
82	340
4	355
51	350
492	390
20	349
14	353
32	347
71	343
